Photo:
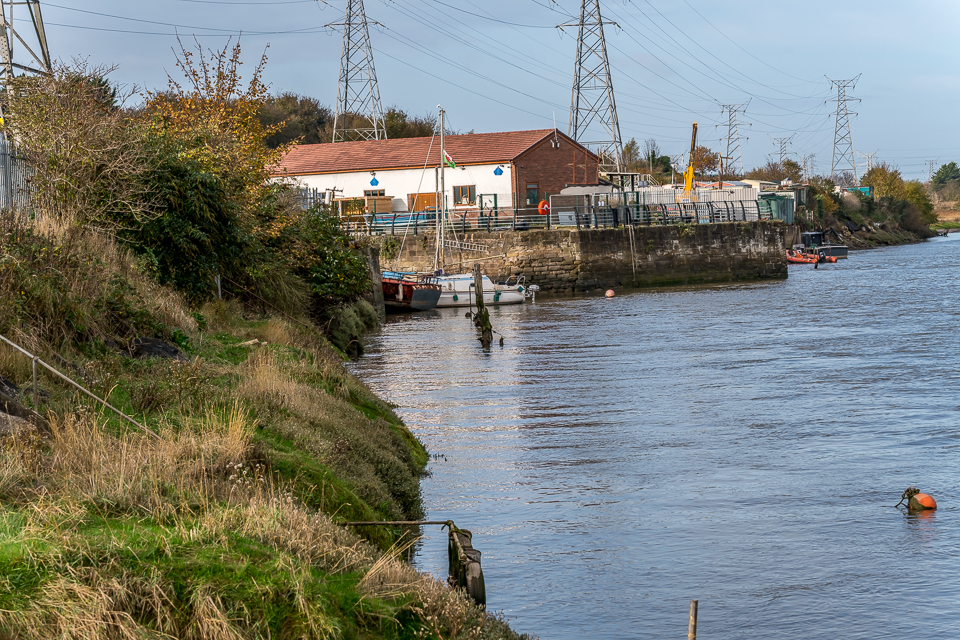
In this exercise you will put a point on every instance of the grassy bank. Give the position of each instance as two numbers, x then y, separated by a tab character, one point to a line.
225	525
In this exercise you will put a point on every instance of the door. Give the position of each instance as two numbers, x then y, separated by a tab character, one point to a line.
422	202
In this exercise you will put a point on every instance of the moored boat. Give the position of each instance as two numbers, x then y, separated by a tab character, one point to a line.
409	291
799	257
459	291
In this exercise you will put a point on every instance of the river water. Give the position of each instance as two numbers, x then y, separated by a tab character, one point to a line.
743	445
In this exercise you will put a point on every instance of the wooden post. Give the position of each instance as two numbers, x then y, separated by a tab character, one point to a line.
36	391
692	626
482	319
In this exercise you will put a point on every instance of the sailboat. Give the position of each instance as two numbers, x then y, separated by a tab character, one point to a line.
459	290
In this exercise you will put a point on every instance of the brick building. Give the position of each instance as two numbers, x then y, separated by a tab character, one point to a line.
510	169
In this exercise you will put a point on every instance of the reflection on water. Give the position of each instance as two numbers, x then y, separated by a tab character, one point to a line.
742	445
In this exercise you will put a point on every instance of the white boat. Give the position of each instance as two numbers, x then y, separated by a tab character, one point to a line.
459	291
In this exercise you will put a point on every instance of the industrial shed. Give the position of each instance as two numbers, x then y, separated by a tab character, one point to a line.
514	169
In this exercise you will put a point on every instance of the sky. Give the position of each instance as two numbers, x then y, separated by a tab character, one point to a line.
503	65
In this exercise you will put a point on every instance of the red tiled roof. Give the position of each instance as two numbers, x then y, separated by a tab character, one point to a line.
470	148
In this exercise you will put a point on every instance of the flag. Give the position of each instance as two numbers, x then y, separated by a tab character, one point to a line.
449	160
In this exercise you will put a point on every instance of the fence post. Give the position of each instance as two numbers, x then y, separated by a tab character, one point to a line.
36	392
576	213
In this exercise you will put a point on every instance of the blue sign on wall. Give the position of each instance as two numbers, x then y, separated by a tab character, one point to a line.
498	171
374	182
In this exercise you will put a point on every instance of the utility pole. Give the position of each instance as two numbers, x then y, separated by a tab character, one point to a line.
868	159
592	103
36	61
931	168
733	154
782	143
843	158
359	115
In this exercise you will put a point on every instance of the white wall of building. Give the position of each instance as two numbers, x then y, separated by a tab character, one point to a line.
399	183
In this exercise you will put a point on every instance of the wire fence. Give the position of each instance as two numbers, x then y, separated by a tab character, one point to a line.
14	178
588	211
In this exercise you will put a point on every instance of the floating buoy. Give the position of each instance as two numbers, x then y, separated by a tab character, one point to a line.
922	501
917	501
610	293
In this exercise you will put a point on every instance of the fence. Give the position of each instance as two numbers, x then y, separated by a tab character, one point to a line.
14	178
654	206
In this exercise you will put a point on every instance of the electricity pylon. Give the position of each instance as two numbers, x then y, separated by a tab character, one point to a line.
733	156
358	96
37	61
843	158
782	143
931	168
593	102
868	159
809	166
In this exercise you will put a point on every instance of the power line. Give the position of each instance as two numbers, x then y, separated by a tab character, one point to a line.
868	157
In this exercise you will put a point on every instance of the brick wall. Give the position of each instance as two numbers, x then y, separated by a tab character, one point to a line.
552	168
567	261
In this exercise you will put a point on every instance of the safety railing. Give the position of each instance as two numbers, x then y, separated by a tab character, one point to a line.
563	216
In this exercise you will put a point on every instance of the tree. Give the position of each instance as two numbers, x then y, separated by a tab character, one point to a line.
401	125
885	180
296	118
705	160
651	151
631	157
774	171
946	175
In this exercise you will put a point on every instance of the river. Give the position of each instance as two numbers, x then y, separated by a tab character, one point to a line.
743	445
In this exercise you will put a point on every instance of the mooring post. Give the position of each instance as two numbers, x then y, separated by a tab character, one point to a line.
692	627
482	319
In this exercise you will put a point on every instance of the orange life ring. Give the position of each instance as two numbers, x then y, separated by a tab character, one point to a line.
544	208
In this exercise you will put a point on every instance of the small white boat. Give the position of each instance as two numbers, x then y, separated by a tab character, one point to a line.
458	291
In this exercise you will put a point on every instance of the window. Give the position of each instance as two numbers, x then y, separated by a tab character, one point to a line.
533	194
374	193
465	195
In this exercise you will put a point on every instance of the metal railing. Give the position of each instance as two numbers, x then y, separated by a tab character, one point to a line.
573	212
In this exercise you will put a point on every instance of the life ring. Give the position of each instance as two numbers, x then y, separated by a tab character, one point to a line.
544	208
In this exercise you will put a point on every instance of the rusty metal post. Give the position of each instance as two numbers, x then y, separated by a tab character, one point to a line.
692	626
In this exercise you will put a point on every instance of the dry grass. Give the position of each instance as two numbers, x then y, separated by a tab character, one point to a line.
197	488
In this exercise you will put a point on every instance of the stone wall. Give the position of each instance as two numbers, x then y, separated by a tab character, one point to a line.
566	261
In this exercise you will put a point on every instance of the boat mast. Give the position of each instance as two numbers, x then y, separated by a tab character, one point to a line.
442	204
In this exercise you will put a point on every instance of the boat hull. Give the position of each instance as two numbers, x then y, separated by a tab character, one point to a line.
490	298
459	291
409	292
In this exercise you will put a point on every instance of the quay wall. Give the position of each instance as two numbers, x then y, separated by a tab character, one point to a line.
571	260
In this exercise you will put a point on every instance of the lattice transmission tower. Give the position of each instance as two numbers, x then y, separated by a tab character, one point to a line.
868	159
733	156
809	166
592	106
359	114
843	158
37	53
782	143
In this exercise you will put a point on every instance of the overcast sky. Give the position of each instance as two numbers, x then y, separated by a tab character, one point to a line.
501	65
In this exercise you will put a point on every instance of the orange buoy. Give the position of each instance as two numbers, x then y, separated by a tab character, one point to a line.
917	501
610	293
922	501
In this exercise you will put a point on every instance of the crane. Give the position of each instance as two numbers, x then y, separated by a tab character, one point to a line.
688	194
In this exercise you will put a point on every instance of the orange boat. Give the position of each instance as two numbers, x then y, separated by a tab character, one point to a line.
798	257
